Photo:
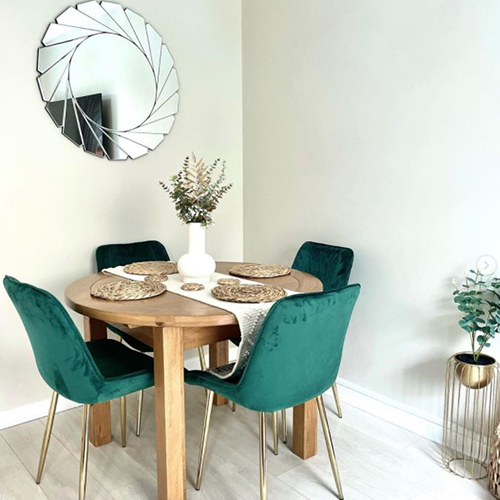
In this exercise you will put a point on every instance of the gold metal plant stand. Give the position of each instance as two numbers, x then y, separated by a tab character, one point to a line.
494	470
470	417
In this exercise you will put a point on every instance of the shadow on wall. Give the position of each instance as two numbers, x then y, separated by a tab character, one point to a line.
427	377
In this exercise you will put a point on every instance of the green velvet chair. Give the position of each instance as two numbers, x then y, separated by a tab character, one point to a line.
84	372
121	254
332	265
296	358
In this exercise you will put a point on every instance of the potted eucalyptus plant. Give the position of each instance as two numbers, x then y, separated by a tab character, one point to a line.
478	299
196	194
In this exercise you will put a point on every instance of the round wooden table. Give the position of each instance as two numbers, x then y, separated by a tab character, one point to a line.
171	323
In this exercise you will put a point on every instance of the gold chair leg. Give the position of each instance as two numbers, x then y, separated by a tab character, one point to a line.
203	364
275	432
337	400
204	438
284	430
47	435
233	406
123	419
84	452
201	355
262	456
140	402
329	445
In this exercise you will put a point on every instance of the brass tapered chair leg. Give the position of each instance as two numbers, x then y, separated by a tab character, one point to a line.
123	419
47	435
329	445
233	406
204	438
337	400
140	402
284	431
84	452
203	364
262	456
275	432
201	355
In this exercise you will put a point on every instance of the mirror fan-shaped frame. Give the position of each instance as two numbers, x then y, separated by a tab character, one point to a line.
108	80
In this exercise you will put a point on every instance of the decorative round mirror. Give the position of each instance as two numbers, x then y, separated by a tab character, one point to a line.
108	80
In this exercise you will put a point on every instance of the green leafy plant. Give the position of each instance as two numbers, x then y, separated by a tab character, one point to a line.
195	194
479	301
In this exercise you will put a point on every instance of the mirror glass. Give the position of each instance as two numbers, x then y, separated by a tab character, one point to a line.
108	80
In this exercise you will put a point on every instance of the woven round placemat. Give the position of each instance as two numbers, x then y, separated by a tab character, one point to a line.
156	278
249	293
259	270
151	267
228	281
192	287
127	290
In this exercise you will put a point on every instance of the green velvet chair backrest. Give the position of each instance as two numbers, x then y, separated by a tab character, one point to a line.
331	264
297	354
121	254
62	357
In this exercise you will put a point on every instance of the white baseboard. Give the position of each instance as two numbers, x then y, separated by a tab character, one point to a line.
387	409
399	414
32	411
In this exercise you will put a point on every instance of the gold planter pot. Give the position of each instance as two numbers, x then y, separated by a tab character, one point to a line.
470	415
473	375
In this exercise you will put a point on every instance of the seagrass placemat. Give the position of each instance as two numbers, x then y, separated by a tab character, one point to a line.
151	267
228	281
127	290
249	293
259	270
192	287
155	278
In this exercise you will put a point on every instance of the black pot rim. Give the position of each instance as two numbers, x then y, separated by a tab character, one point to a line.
486	357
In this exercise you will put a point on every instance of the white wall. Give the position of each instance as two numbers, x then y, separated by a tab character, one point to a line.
375	124
57	204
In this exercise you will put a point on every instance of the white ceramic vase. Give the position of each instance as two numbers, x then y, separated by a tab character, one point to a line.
196	266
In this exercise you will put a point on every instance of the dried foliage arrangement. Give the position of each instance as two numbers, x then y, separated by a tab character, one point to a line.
195	194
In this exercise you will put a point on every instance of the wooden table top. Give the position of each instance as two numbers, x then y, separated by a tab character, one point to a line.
170	309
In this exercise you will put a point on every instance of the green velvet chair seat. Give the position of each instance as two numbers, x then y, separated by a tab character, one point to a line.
226	387
296	356
124	370
131	341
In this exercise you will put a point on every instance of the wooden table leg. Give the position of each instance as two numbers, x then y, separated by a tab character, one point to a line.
100	414
305	430
170	416
218	356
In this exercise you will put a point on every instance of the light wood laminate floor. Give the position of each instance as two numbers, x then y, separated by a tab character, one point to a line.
377	460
